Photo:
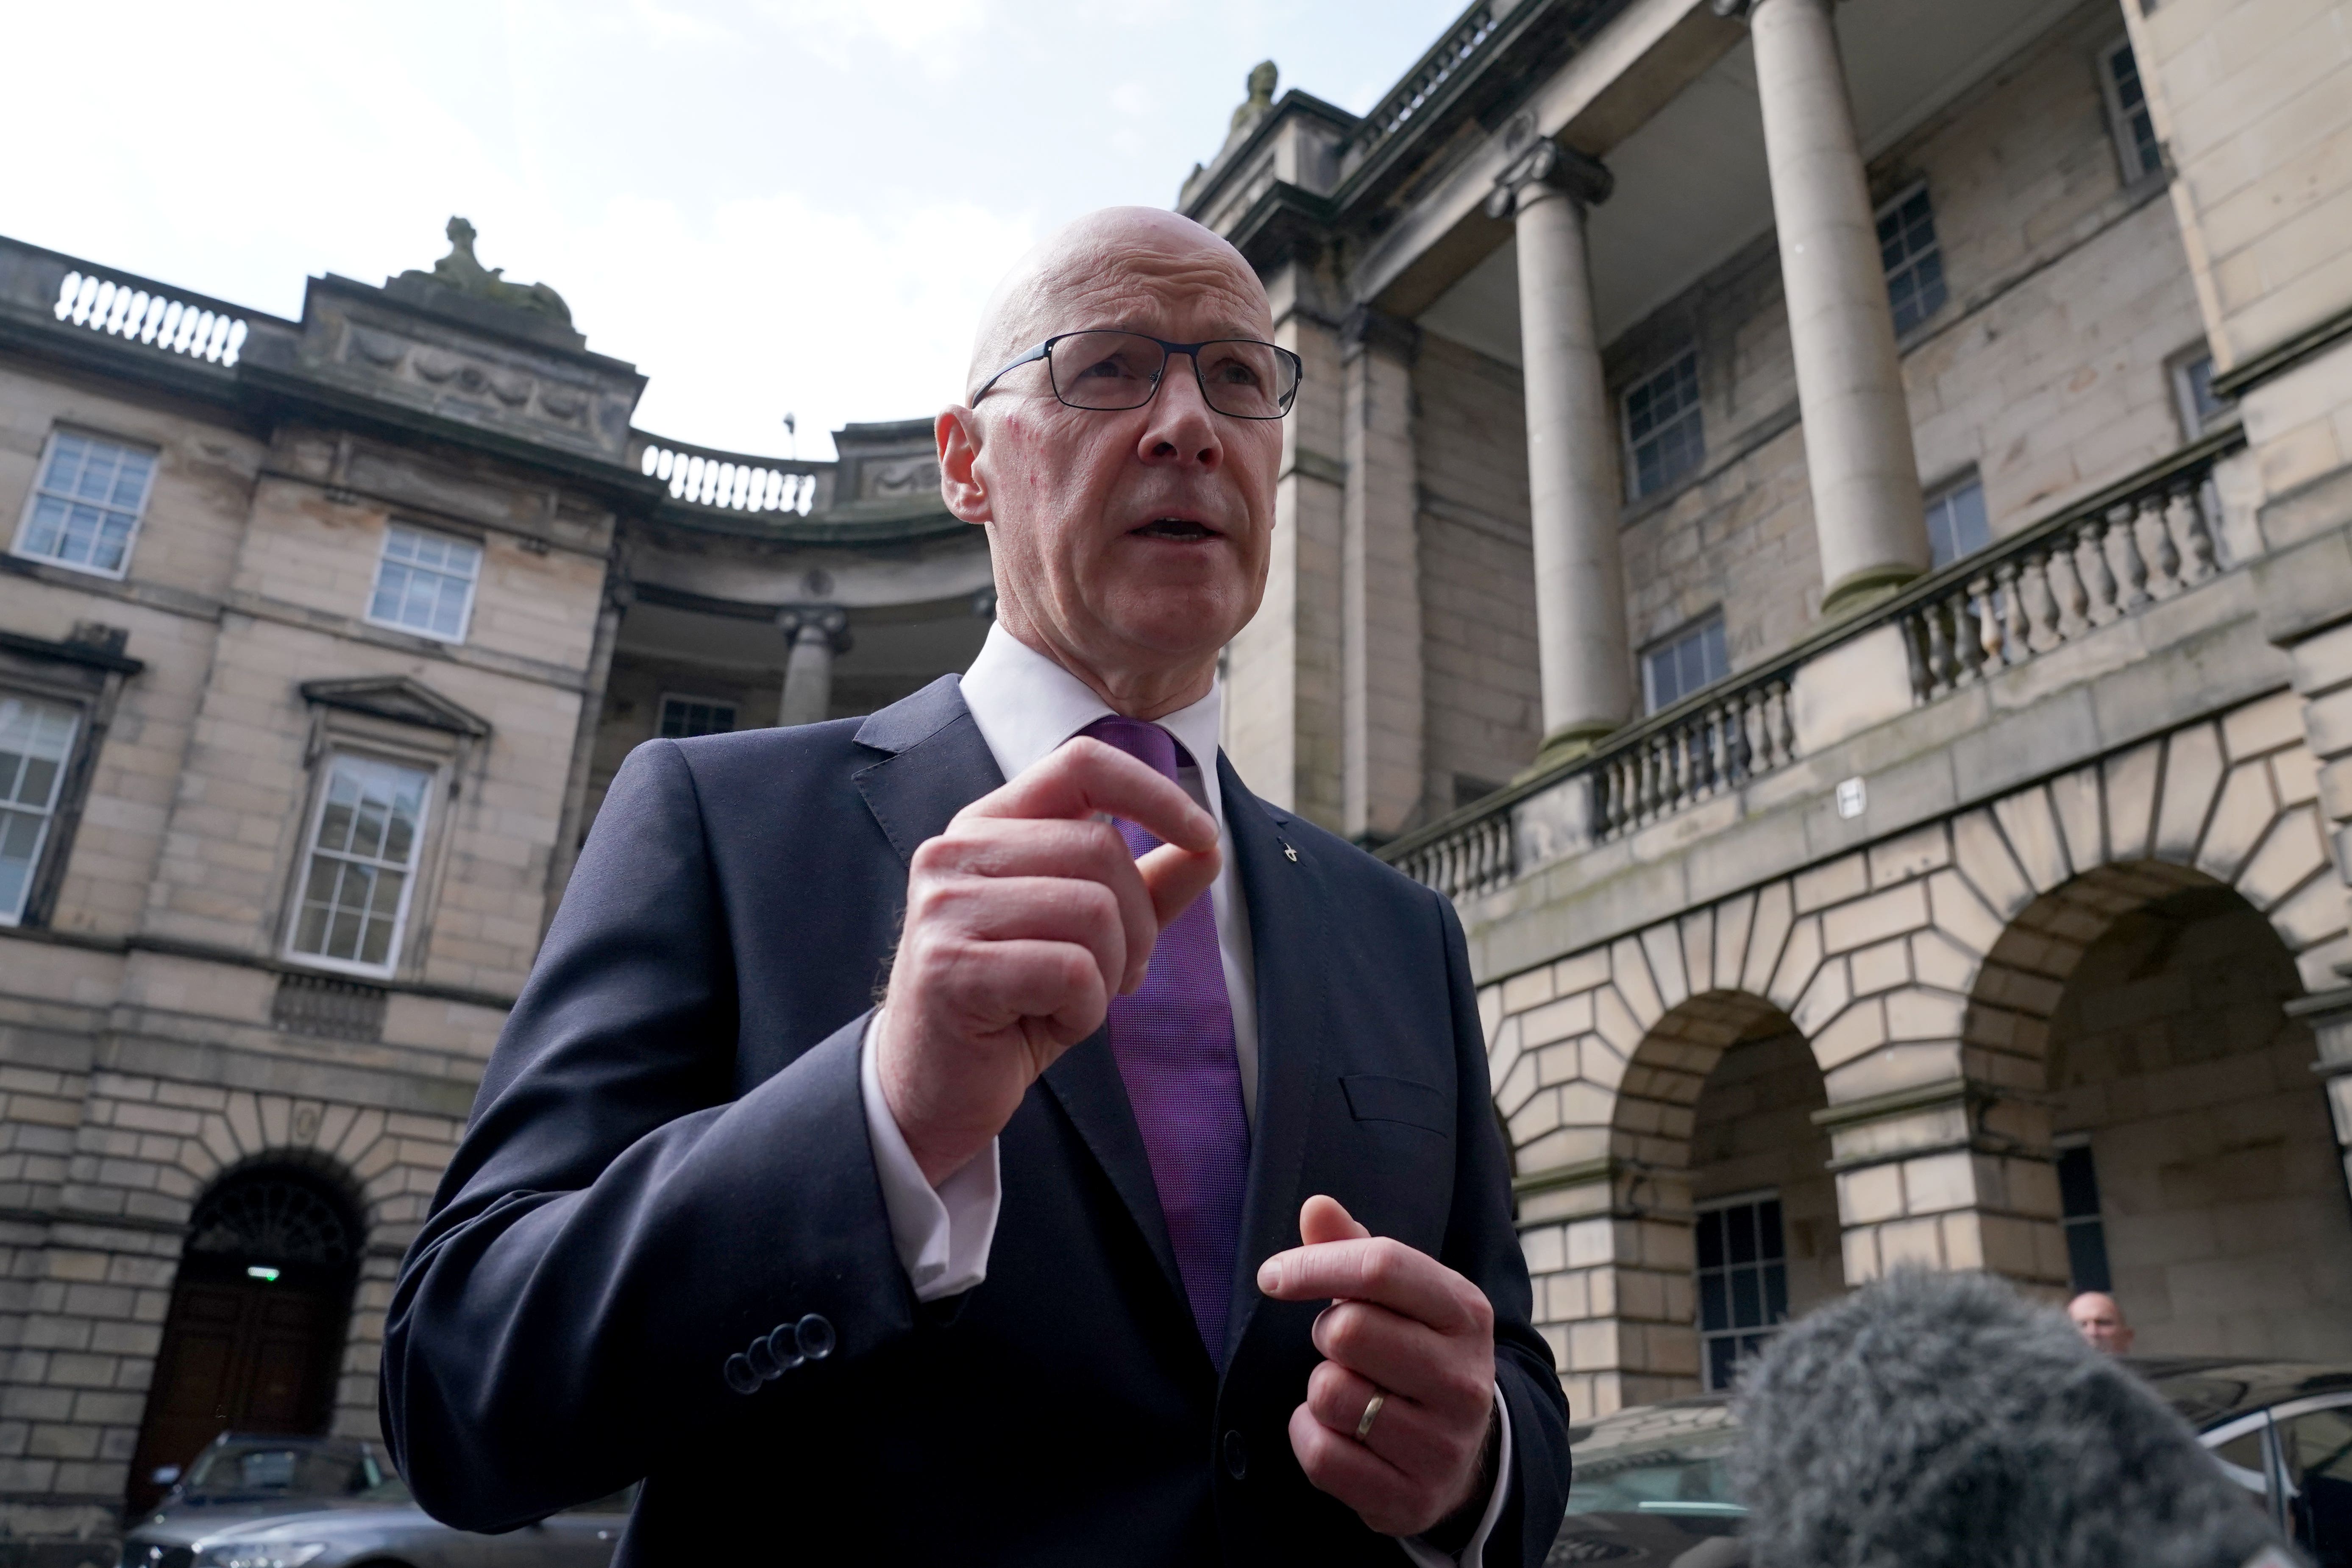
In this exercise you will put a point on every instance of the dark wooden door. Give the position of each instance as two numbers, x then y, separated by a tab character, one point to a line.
239	1354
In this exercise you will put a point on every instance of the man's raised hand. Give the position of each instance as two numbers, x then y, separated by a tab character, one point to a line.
1405	1327
1024	918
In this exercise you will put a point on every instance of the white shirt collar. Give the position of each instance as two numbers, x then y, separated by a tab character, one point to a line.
1026	705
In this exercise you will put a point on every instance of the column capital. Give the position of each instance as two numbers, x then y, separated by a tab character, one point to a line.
1545	165
828	623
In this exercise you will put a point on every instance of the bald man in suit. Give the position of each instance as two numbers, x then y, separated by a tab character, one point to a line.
1157	1214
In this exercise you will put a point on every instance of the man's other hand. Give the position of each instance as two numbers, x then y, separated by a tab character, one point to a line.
1403	1326
1024	918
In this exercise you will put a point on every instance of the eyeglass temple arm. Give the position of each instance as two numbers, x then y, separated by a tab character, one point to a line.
1033	355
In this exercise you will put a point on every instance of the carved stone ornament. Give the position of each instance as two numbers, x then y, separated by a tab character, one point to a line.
811	622
896	479
462	272
1545	164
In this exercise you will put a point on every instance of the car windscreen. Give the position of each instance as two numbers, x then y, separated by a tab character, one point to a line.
1679	1466
267	1470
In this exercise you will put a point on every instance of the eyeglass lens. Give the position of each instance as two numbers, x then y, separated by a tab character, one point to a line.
1121	370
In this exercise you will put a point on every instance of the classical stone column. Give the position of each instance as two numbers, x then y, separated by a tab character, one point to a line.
1867	510
1573	492
814	633
1381	707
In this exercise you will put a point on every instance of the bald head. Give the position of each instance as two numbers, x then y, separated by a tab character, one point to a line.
1082	265
2099	1318
1128	543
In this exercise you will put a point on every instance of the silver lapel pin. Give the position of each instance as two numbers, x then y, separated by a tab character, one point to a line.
1288	852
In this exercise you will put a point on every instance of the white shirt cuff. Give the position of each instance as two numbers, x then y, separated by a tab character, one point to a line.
942	1234
1424	1555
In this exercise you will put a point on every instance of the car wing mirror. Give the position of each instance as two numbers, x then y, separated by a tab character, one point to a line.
165	1475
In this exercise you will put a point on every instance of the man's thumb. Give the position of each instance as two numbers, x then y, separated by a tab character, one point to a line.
1322	1219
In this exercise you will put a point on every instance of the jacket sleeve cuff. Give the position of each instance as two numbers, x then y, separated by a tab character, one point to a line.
1424	1555
944	1234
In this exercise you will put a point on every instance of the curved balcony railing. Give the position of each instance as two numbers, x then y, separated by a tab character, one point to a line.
729	482
2113	554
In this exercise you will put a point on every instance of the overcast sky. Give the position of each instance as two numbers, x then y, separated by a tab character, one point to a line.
767	205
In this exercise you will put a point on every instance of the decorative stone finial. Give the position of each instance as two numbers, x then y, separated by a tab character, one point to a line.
462	272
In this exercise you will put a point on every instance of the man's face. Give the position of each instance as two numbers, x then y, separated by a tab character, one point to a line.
2101	1322
1138	537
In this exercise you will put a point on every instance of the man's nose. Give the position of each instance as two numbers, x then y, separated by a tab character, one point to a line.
1181	427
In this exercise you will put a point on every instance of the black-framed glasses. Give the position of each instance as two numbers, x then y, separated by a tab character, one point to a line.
1108	370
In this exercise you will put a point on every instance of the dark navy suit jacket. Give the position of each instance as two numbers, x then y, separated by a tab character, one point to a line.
668	1158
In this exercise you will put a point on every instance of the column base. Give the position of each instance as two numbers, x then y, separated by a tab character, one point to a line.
1566	744
1863	589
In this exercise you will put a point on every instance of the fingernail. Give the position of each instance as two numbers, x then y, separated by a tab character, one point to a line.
1269	1275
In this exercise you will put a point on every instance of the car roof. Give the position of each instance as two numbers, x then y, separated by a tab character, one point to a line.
2210	1390
2205	1390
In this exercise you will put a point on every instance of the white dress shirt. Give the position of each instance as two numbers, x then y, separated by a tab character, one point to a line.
1025	706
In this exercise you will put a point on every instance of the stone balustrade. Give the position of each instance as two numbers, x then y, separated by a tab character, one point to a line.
126	311
2055	583
2137	543
1422	83
727	481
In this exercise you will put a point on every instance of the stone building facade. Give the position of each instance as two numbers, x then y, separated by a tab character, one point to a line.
319	642
1827	530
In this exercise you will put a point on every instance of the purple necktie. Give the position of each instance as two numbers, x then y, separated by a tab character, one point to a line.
1173	1040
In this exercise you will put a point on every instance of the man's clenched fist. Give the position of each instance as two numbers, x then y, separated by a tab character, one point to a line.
1024	918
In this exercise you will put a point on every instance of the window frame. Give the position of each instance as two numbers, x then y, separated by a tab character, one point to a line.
138	515
2179	374
86	673
1697	625
1754	1198
661	713
2095	1222
1629	449
50	809
420	841
1939	494
473	584
1879	215
2119	131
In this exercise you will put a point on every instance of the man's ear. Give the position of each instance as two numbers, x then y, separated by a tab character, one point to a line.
957	433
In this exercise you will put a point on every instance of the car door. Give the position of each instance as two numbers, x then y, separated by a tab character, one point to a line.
2242	1448
2314	1445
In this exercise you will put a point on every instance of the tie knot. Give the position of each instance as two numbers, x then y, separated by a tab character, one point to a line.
1145	743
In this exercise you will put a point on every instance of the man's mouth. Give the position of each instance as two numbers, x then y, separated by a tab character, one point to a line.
1183	528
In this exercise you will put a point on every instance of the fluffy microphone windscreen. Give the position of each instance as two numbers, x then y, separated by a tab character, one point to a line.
1941	1421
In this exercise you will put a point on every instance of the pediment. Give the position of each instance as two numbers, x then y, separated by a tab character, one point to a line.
399	698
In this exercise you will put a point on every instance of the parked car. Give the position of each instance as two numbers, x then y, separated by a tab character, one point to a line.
256	1502
1652	1483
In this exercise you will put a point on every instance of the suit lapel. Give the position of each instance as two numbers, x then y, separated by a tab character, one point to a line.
1281	883
938	764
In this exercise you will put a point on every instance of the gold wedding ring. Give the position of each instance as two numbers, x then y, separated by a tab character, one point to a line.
1364	1425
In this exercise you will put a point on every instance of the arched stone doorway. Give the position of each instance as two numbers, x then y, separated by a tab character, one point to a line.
254	1334
2199	1178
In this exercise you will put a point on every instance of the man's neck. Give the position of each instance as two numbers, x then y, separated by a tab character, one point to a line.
1132	691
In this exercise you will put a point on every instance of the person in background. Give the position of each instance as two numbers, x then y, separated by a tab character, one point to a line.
2099	1318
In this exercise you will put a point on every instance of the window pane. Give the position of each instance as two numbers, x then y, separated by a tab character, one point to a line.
1710	1239
2241	1460
2317	1448
368	827
1722	1362
36	738
1746	1299
2086	1256
1663	433
2078	1183
425	581
1776	1293
1913	261
86	505
1714	1302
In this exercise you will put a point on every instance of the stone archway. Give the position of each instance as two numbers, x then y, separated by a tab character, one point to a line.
253	1337
1919	968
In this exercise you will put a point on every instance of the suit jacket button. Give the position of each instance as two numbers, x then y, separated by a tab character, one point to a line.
814	1336
1236	1456
740	1375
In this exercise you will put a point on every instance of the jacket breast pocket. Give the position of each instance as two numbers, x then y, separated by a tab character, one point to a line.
1375	1097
